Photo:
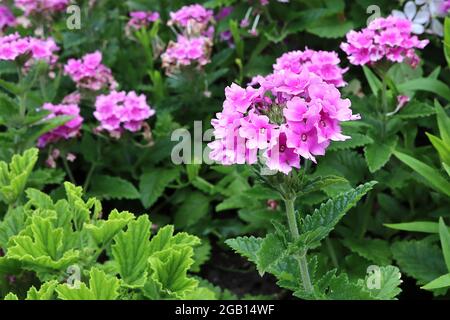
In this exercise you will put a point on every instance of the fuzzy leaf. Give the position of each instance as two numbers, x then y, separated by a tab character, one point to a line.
374	250
390	281
153	184
317	226
246	246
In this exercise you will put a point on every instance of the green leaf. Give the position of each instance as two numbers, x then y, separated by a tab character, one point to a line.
103	231
246	246
447	39
442	148
390	281
45	292
317	226
418	226
101	287
11	297
195	207
44	249
170	269
14	176
419	259
416	109
426	84
131	251
443	123
153	184
272	249
439	283
107	187
444	235
357	140
374	250
374	83
431	175
379	153
12	224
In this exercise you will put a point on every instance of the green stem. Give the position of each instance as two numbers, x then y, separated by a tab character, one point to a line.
301	258
67	168
89	177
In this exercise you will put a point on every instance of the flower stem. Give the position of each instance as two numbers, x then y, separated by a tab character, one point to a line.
301	258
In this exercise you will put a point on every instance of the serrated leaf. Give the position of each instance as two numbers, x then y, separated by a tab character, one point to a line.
153	184
416	109
195	207
107	187
45	292
389	283
271	250
379	153
375	250
14	176
103	231
12	224
246	246
170	270
419	259
317	226
101	287
131	250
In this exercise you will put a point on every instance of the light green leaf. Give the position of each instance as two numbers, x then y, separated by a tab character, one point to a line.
14	176
426	84
390	281
419	226
374	83
443	123
11	297
169	268
131	251
439	283
45	292
103	231
101	287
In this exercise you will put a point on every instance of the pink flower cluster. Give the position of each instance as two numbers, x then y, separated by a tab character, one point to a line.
325	64
141	19
390	38
188	16
194	44
13	46
7	18
120	110
67	131
291	115
186	51
89	72
32	7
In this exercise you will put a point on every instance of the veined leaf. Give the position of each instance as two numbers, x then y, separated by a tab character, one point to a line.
103	231
317	226
45	292
389	283
153	184
131	251
379	153
107	187
170	270
246	246
101	287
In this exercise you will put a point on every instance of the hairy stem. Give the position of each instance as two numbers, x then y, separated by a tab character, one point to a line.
301	258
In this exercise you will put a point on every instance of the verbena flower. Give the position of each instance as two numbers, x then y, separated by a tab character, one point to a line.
195	17
325	64
14	46
288	117
7	18
385	38
185	52
32	7
140	19
119	111
65	132
89	73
